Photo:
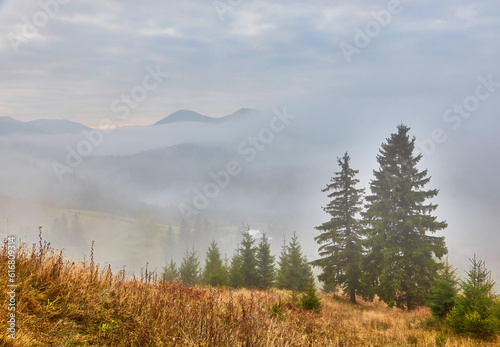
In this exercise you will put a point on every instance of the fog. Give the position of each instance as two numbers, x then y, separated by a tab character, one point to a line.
81	92
131	193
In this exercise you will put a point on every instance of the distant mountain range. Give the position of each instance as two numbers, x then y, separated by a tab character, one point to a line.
9	125
161	164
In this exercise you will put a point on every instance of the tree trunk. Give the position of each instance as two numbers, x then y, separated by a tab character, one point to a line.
352	296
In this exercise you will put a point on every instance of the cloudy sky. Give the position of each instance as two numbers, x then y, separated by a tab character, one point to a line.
73	59
350	68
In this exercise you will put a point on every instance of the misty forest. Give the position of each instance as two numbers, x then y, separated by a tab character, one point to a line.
249	173
381	243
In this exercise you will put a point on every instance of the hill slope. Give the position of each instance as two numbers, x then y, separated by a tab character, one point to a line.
64	303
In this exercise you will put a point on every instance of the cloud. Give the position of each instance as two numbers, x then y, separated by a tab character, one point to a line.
261	54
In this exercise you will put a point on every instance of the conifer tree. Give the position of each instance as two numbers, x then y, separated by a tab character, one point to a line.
294	271
247	254
214	272
265	263
310	300
401	263
340	239
236	278
170	272
190	268
282	270
443	293
477	311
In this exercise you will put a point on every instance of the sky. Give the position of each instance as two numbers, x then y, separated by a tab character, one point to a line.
72	59
356	67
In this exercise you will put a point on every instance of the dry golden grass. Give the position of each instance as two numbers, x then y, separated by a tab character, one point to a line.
60	303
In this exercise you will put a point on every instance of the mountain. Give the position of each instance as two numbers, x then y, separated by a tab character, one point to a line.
57	126
185	116
191	116
9	125
185	127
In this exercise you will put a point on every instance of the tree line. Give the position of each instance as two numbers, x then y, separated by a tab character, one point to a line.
251	266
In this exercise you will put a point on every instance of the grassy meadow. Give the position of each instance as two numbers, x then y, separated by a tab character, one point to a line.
65	303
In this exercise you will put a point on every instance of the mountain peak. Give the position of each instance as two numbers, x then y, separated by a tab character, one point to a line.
184	116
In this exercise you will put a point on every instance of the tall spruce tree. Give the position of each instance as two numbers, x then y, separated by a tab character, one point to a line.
340	239
190	268
401	263
265	263
294	270
215	272
247	253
